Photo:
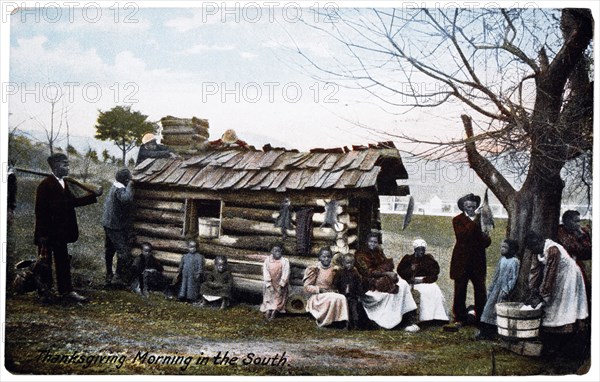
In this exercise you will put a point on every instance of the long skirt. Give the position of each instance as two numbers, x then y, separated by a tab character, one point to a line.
387	309
327	308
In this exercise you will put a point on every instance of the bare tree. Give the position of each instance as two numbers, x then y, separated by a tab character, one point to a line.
522	79
58	116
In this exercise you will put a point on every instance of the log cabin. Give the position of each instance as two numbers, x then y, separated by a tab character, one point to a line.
230	200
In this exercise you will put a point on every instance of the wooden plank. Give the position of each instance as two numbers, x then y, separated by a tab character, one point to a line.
258	178
244	181
170	258
314	179
345	160
360	157
331	179
159	230
270	158
167	172
299	160
158	216
201	176
251	198
254	162
196	159
160	205
314	161
143	165
282	161
175	176
223	158
243	161
229	181
261	214
234	159
348	179
167	245
281	175
370	160
369	178
247	226
330	161
215	176
188	175
292	181
267	181
306	176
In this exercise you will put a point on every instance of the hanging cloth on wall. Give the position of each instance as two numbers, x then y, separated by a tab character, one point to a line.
330	214
284	220
304	231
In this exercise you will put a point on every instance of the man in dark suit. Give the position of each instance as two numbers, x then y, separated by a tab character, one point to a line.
468	258
56	224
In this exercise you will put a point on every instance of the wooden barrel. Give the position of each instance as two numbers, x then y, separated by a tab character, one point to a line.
514	323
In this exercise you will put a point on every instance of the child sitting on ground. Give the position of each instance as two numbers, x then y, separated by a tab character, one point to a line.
348	282
276	275
503	283
218	284
148	272
190	274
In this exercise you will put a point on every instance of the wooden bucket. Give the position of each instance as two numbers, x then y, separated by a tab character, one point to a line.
514	323
209	227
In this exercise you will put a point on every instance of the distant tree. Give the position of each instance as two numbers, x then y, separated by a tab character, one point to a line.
93	155
131	162
124	127
105	156
72	150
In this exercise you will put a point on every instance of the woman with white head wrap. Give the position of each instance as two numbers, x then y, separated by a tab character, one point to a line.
421	270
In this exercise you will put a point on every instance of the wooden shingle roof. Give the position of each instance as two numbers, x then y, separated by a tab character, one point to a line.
275	169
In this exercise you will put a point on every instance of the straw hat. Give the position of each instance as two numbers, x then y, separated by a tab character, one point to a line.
229	136
147	138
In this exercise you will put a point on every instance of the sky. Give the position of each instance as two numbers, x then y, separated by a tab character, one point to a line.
237	66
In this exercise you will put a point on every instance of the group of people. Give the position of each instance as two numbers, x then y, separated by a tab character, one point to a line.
366	283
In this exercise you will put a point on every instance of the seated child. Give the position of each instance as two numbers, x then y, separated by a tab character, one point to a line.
505	278
148	272
190	274
348	282
218	284
325	305
276	275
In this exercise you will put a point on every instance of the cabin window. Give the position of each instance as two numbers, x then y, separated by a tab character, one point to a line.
203	218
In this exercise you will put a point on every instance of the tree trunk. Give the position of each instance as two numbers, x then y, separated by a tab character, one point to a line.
535	207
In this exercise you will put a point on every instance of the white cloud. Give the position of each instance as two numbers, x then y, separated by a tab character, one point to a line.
197	19
201	48
248	55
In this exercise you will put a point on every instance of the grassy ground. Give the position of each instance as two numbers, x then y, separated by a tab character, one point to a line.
123	325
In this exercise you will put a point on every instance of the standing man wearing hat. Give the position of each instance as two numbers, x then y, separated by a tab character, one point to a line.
117	222
151	149
468	258
56	225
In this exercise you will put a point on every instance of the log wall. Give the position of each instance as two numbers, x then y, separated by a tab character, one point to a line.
167	217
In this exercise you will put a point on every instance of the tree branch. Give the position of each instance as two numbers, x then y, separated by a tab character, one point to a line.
484	169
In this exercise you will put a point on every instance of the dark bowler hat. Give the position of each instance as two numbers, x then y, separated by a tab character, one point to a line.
469	197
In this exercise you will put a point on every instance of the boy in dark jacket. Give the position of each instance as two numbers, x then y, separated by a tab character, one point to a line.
349	283
148	272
